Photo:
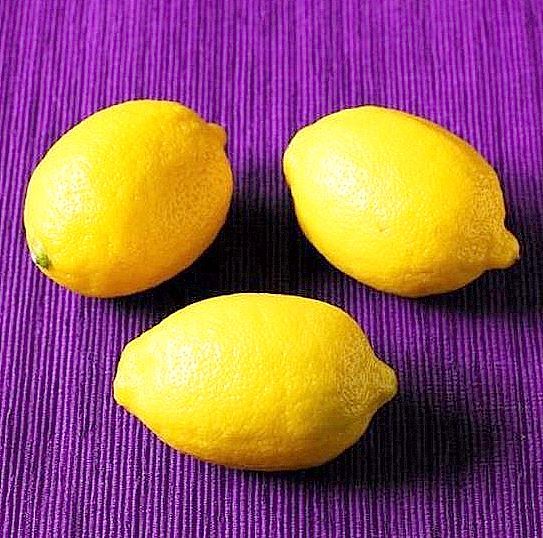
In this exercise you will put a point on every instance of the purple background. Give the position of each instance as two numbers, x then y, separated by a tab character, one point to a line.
459	452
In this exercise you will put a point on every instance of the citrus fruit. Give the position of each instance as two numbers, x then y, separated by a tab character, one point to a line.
398	202
256	381
129	197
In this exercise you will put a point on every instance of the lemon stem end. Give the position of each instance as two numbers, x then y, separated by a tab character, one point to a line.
41	260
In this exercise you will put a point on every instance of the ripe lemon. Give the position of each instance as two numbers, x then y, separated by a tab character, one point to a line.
128	198
255	381
398	202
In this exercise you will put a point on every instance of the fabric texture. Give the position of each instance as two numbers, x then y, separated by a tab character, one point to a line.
459	452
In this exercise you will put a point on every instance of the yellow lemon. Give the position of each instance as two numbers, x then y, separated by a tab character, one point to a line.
397	202
128	198
255	381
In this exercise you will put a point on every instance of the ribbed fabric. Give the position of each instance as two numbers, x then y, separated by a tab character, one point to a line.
459	453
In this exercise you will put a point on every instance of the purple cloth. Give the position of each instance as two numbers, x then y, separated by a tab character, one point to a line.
459	452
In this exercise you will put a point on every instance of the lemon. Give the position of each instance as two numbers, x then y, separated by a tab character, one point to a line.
255	381
397	202
128	198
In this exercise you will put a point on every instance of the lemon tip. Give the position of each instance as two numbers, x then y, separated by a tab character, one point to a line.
506	250
219	131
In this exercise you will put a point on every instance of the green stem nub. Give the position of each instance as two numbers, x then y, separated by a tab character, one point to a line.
42	260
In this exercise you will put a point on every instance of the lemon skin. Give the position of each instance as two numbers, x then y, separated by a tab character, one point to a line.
128	198
398	202
256	381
